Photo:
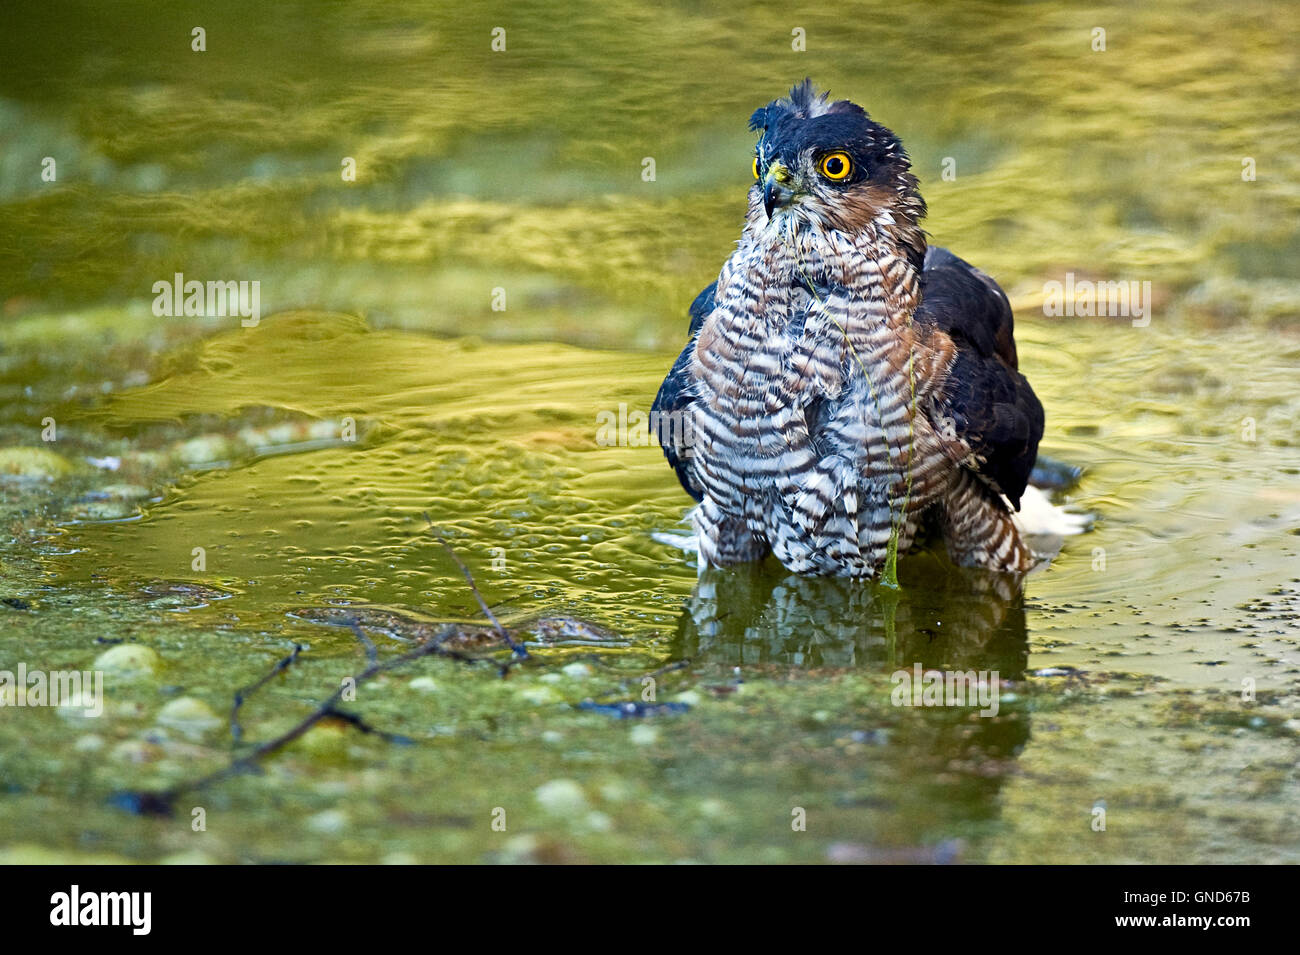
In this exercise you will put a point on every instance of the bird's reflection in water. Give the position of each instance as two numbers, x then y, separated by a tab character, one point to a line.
927	778
941	616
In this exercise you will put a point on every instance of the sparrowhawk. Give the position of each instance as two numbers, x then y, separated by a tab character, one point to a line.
846	388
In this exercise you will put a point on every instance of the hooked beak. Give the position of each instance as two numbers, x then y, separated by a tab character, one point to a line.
776	188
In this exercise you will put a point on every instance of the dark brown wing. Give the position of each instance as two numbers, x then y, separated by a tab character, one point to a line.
675	396
988	403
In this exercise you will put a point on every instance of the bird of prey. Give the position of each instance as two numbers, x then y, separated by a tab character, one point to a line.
847	390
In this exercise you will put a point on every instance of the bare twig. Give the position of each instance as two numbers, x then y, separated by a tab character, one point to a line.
517	649
356	721
668	668
372	652
161	803
242	695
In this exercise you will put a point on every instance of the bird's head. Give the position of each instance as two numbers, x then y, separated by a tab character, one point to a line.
827	163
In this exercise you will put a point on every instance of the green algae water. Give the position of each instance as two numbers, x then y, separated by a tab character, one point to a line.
444	340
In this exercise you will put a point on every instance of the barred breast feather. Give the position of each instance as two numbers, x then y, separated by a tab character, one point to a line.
837	399
845	387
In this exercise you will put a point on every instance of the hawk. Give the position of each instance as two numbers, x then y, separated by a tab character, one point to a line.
845	388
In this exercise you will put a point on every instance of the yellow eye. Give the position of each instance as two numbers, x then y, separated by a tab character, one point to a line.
755	167
836	166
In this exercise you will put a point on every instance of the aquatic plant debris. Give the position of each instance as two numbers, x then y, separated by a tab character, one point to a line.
432	642
162	802
633	709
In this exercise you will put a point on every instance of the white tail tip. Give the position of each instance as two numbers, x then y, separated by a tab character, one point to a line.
1038	516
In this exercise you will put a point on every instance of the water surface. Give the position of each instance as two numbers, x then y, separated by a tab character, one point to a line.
380	392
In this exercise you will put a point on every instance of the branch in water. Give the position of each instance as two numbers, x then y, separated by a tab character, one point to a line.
241	696
516	648
161	803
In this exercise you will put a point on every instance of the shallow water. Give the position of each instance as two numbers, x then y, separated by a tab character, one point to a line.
303	455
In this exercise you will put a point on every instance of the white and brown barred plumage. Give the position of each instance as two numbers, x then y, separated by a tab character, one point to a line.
843	383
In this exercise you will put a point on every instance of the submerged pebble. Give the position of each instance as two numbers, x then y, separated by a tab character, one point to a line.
82	704
136	751
33	464
326	742
119	492
128	661
520	850
712	808
188	716
328	822
539	695
643	735
205	449
561	797
616	790
90	743
102	510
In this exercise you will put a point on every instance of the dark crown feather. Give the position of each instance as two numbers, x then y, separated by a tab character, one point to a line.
804	102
